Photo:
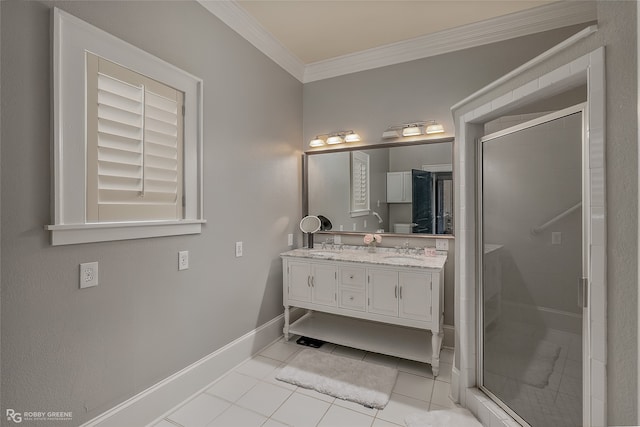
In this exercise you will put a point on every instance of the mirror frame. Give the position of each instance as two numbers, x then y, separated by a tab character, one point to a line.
404	143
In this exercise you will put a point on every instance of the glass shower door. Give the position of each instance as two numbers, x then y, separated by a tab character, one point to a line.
531	236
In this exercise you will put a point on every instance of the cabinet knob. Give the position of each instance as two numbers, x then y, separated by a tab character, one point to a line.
351	277
351	298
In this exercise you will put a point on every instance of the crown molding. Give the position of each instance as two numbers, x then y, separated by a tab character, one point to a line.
543	18
239	20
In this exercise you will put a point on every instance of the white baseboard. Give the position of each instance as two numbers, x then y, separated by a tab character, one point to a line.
148	405
449	336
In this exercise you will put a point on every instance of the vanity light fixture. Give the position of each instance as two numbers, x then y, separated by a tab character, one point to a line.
390	133
412	129
351	136
334	138
434	128
317	142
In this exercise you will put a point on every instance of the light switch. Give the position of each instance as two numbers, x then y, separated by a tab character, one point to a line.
556	238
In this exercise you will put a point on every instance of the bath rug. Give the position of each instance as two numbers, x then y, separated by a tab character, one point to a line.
458	417
521	358
357	381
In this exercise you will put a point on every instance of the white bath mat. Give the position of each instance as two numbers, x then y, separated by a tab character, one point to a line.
521	358
361	382
458	417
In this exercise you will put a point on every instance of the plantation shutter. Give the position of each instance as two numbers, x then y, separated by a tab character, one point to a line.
134	145
359	183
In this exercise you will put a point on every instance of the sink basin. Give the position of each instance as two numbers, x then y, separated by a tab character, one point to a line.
322	253
401	258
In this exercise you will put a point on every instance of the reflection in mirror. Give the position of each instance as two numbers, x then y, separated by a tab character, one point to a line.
408	189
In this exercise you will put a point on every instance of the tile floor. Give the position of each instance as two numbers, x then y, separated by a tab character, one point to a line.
249	395
557	404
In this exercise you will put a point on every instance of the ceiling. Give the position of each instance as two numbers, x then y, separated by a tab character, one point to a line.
318	30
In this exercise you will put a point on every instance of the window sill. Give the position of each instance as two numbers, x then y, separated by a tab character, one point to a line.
70	234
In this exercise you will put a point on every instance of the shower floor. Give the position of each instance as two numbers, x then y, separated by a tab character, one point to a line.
554	402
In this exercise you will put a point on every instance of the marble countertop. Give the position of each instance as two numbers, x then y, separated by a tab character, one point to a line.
382	256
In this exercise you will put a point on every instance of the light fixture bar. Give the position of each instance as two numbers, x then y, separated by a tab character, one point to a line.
334	138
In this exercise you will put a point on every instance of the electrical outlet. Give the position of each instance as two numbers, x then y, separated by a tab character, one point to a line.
238	249
88	274
183	260
556	238
442	244
290	239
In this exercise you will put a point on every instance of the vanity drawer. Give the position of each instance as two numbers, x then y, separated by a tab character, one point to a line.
353	300
352	276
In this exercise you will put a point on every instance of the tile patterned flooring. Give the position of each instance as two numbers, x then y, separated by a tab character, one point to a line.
249	395
559	403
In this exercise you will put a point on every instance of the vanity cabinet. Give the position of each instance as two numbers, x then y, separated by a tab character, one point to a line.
399	293
312	282
375	305
399	187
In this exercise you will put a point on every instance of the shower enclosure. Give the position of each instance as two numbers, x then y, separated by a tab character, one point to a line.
531	262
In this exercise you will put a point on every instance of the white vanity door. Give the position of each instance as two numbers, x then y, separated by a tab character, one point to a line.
383	292
415	296
299	281
324	284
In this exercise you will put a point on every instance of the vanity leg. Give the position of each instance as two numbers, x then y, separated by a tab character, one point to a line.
286	323
436	345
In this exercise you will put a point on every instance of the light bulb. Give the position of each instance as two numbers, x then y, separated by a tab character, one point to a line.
335	139
412	130
316	142
435	128
352	137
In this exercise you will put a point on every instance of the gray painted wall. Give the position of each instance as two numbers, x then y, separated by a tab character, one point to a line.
530	177
65	349
424	89
617	32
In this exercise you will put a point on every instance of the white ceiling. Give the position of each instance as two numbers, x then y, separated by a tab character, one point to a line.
317	30
320	39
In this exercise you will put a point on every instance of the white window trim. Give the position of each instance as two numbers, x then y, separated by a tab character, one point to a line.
72	37
356	158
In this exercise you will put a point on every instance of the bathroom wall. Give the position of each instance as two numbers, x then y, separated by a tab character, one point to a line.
66	349
425	89
617	32
519	196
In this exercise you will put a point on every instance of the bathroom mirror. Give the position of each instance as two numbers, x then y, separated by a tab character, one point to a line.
400	189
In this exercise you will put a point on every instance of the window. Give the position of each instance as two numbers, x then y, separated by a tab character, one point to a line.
134	145
127	146
359	183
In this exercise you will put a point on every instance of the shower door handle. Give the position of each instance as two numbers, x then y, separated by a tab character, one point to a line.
583	292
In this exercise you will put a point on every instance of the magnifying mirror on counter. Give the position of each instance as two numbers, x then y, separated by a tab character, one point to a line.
309	225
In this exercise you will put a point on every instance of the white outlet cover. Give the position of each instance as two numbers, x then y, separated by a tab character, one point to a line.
183	260
238	249
88	274
442	244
